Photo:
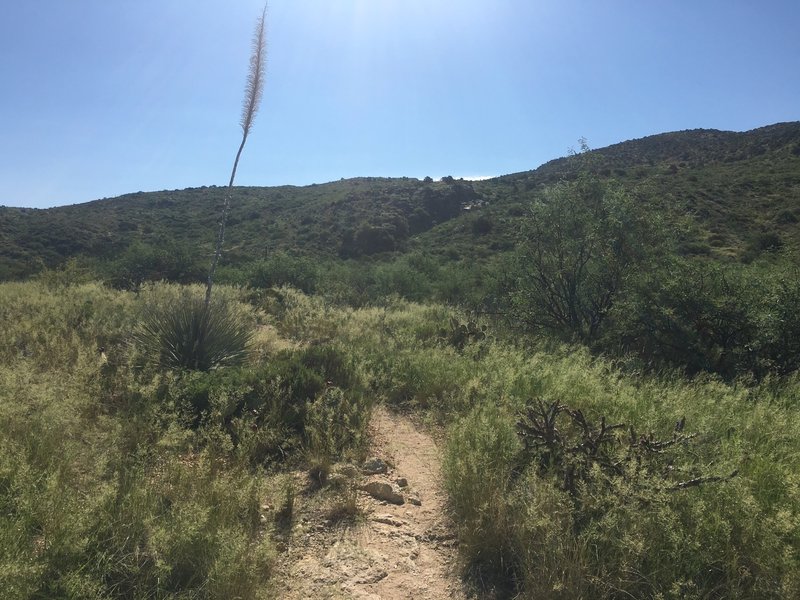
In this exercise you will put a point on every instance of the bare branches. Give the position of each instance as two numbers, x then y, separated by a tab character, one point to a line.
701	480
565	443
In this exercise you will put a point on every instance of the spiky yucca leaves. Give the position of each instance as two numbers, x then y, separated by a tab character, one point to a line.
191	334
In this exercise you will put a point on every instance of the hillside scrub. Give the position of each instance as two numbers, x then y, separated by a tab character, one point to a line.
121	477
714	516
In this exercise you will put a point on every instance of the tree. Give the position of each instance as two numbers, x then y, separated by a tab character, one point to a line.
581	241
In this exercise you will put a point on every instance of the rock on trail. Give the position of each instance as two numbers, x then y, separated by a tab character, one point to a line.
403	547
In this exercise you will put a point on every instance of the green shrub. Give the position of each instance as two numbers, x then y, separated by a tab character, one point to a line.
478	462
425	378
689	315
569	506
263	412
333	364
280	269
163	261
579	246
336	427
190	334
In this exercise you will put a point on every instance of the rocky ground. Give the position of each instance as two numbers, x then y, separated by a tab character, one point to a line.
390	540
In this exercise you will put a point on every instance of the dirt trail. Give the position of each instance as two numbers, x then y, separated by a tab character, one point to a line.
394	551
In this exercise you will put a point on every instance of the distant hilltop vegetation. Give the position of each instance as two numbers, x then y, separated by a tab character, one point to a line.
740	191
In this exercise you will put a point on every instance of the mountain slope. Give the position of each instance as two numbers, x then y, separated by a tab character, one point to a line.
742	189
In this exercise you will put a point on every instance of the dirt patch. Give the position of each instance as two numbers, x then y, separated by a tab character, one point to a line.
392	551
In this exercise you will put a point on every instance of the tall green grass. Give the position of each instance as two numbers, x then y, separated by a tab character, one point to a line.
103	493
521	530
118	480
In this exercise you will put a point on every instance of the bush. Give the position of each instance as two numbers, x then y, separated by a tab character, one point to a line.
728	320
572	506
695	316
478	462
336	427
482	225
280	269
581	243
263	412
164	260
188	334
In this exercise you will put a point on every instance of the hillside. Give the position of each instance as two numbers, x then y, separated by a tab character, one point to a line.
741	189
579	381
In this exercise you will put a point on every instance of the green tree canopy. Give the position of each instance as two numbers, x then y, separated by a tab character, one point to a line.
580	243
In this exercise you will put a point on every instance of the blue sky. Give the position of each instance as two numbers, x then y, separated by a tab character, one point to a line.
104	97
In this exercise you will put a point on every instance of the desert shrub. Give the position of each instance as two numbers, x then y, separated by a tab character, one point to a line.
99	505
262	412
635	515
373	238
482	225
768	241
478	462
190	334
402	279
779	322
728	320
333	364
336	427
580	243
186	529
423	378
303	318
280	269
697	316
786	217
61	326
167	260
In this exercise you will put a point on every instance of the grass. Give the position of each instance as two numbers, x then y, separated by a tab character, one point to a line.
633	536
110	488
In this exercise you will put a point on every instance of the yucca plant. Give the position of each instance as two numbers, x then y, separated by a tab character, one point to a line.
191	334
196	334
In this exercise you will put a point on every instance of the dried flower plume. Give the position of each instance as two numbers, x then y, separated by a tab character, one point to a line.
255	79
253	91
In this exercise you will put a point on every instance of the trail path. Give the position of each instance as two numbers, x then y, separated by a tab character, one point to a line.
395	551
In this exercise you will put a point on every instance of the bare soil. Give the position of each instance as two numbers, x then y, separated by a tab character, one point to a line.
387	551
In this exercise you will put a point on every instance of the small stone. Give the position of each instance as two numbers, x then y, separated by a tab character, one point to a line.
374	466
371	576
414	499
389	520
383	490
402	482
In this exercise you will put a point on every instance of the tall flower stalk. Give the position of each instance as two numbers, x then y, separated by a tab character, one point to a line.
253	92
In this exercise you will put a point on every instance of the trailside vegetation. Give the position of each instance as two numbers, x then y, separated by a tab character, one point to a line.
608	344
569	475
